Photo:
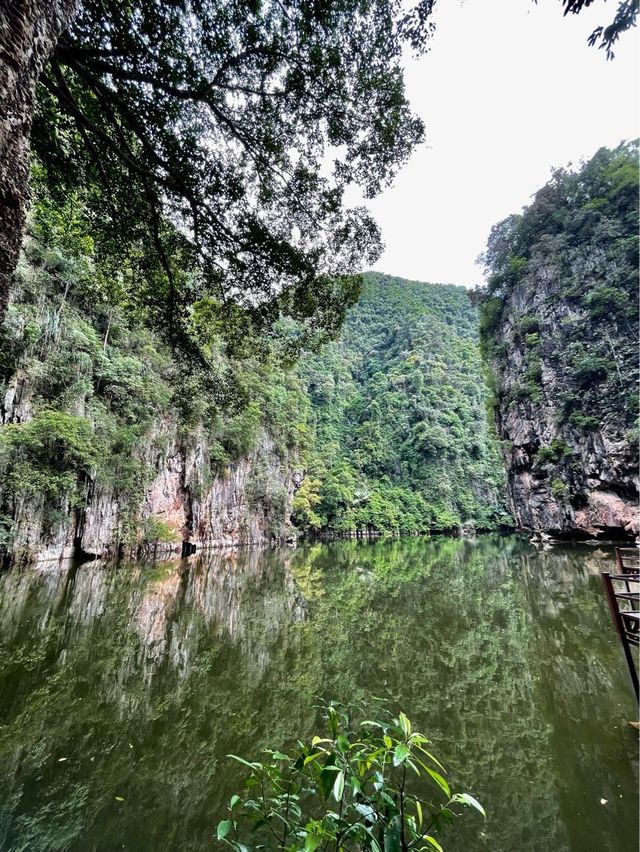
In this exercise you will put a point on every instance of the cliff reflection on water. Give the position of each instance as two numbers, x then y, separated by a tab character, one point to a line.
135	680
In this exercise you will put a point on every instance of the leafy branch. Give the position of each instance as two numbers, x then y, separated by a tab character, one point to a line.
363	769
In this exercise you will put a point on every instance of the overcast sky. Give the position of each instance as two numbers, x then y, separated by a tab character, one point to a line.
508	90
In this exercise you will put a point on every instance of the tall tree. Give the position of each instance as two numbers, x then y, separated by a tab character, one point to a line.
241	124
29	32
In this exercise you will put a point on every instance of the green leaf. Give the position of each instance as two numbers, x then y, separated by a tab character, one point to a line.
233	801
392	836
468	799
312	841
371	757
387	798
342	743
387	741
405	724
431	757
326	778
433	842
224	827
400	754
447	815
428	768
242	760
333	721
338	786
366	811
439	781
419	812
278	755
314	756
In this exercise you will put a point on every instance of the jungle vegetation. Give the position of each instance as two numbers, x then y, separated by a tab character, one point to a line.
91	382
582	226
388	422
185	247
399	417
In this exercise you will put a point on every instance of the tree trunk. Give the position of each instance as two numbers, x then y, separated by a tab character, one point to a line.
29	32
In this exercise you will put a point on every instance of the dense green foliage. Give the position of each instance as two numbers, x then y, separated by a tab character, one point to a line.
573	258
47	450
94	392
218	117
350	789
389	421
401	438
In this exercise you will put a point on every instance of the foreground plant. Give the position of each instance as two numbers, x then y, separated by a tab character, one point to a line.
371	786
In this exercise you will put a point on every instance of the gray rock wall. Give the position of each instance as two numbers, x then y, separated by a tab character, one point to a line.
247	502
565	479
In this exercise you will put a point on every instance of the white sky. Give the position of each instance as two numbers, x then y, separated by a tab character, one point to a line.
507	91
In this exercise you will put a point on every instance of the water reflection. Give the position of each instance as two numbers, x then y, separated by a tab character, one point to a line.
136	680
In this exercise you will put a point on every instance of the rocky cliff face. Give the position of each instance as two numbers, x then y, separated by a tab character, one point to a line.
28	35
113	441
182	505
560	330
563	479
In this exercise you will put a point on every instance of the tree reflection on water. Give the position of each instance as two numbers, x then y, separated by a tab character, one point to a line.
144	676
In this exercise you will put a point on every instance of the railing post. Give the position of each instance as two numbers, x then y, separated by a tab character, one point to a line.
622	633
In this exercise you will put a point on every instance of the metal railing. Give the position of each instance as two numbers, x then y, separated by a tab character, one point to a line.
623	594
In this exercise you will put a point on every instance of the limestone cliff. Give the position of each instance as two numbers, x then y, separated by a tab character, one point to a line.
112	441
560	330
181	504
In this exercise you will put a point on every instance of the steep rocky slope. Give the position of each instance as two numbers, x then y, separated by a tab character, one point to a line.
560	328
180	506
119	436
107	445
110	441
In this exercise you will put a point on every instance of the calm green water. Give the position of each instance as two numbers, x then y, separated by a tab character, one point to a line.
143	677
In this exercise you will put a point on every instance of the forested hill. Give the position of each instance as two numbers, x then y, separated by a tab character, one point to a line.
399	417
112	440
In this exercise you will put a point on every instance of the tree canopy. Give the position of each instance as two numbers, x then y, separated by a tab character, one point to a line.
225	134
606	37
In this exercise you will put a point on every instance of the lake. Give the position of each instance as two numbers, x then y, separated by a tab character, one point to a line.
124	686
